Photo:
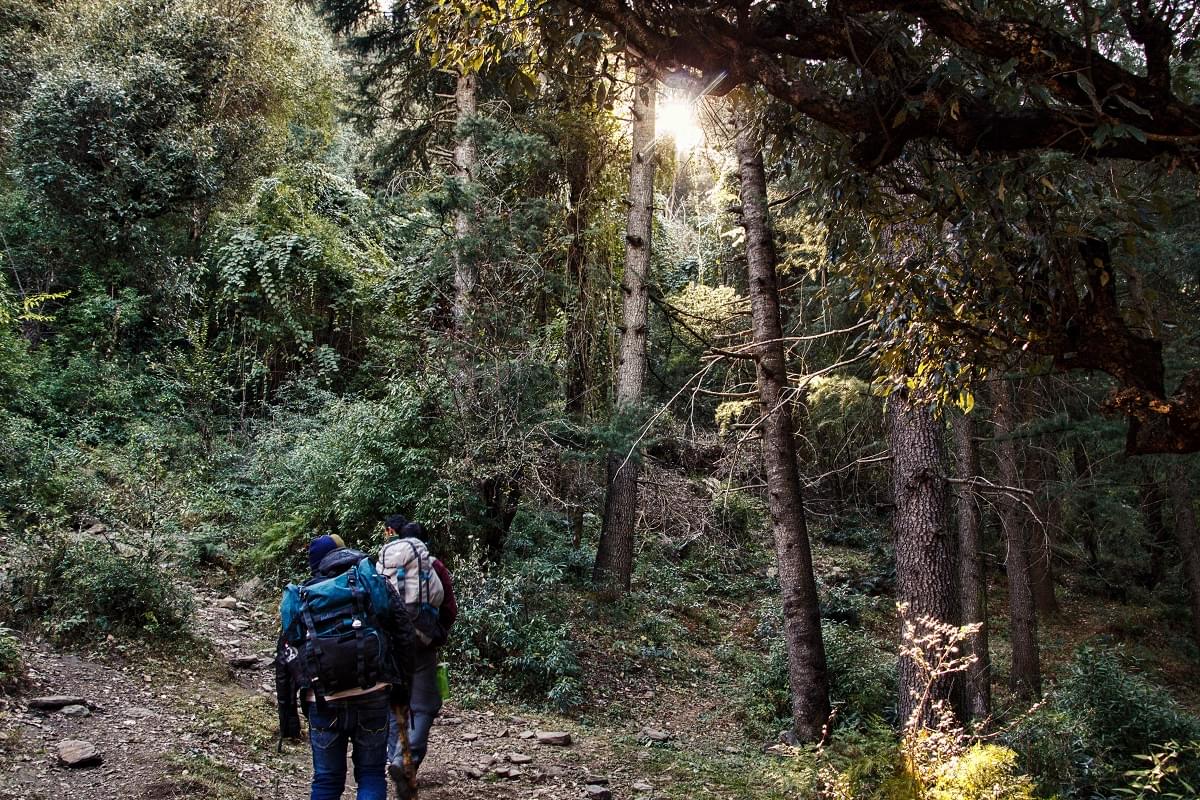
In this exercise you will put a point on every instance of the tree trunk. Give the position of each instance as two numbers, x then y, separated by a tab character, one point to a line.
614	557
578	331
1153	507
1087	510
1188	536
926	562
1041	469
1026	677
971	573
466	273
801	611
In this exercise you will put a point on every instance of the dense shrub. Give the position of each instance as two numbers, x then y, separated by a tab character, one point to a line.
862	676
1097	724
12	665
502	629
872	763
84	590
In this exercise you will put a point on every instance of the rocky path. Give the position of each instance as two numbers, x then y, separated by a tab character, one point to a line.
127	721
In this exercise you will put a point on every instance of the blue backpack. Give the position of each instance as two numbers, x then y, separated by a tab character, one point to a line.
331	630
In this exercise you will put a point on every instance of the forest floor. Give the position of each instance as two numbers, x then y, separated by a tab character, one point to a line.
199	722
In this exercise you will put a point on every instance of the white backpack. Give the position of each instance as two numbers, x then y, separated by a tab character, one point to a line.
408	565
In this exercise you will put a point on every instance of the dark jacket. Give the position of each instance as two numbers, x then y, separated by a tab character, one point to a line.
395	625
449	610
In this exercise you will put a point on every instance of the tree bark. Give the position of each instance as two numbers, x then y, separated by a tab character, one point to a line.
1026	676
971	573
1153	503
1188	536
926	572
466	273
614	557
801	611
578	332
1040	470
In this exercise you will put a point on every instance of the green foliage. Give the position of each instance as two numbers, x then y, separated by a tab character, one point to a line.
77	590
872	763
12	663
1100	720
862	676
505	627
340	467
983	772
1166	773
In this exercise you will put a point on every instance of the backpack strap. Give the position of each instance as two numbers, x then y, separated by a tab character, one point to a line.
312	647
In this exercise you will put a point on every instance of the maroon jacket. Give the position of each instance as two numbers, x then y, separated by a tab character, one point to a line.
449	610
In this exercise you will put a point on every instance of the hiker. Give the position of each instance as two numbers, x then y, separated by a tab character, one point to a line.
427	583
343	645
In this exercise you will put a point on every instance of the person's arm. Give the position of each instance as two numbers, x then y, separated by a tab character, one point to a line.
399	629
449	610
285	696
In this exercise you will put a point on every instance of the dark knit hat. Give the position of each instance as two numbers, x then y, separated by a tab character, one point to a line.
321	547
415	530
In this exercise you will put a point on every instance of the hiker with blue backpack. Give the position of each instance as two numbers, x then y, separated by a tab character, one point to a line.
429	596
344	646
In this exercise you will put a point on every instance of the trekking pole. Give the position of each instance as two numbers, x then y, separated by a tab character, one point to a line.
408	789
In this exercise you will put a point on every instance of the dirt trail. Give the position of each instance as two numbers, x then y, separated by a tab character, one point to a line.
206	730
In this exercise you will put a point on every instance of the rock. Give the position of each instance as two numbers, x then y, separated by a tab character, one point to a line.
595	780
229	601
76	711
244	662
519	758
78	753
654	735
137	712
554	772
553	738
470	737
55	701
99	529
730	749
642	786
594	792
472	772
248	590
508	772
787	737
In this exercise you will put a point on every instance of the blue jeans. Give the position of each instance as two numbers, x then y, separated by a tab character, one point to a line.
423	707
361	722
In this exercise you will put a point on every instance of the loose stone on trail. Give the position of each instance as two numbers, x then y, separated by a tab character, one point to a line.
654	735
553	738
55	702
78	753
519	758
78	710
595	792
228	601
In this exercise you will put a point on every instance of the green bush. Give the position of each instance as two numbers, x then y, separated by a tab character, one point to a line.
500	630
86	590
1097	725
862	678
12	664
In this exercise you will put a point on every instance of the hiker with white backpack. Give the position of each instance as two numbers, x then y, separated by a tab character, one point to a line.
425	585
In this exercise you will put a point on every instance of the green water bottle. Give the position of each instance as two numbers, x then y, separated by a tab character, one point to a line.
443	680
